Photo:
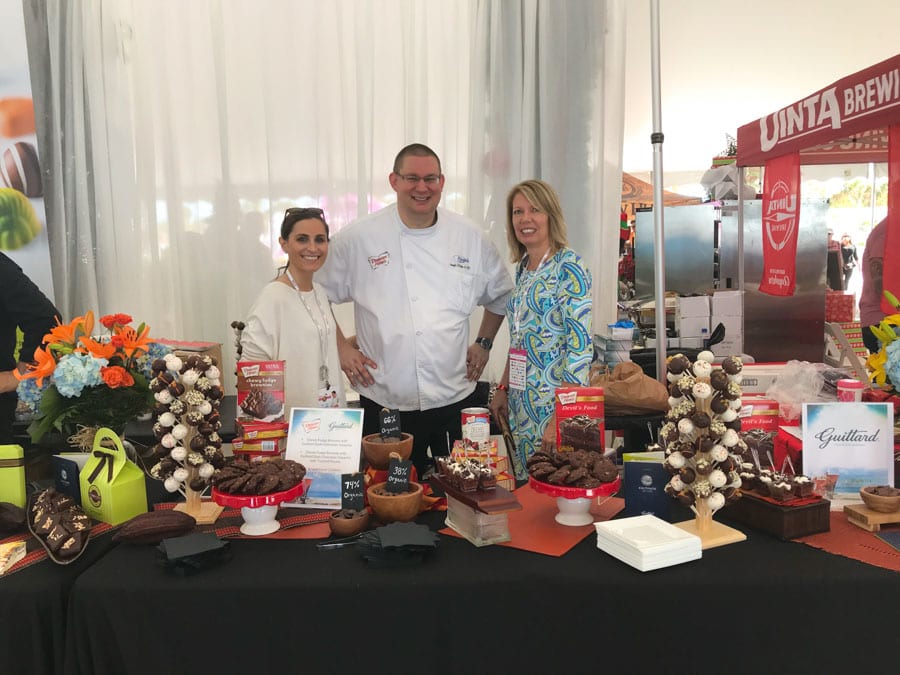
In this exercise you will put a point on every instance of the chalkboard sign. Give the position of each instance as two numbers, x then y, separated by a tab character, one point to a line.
390	423
398	476
353	491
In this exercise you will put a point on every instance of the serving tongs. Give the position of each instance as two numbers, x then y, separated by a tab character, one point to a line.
340	543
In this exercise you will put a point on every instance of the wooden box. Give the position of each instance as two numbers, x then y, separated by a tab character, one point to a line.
784	522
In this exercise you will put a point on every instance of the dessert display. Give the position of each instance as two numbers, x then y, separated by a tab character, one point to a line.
572	468
240	477
700	435
188	393
59	524
573	477
581	433
466	475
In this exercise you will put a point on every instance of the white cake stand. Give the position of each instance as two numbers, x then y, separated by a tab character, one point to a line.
574	503
258	511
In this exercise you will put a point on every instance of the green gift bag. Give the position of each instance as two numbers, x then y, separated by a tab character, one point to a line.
112	486
12	475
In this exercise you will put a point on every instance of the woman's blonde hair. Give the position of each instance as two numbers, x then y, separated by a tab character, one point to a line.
543	196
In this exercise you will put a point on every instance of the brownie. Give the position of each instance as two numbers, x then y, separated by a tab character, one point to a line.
260	404
581	432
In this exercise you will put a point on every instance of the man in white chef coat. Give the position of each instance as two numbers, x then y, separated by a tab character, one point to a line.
415	273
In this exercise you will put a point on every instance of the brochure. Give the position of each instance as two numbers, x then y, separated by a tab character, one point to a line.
327	442
645	482
850	444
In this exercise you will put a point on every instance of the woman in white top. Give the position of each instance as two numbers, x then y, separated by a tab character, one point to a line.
291	320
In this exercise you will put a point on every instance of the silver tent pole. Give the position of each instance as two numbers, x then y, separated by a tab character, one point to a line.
656	138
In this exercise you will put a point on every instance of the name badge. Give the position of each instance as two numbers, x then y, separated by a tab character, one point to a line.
328	397
517	361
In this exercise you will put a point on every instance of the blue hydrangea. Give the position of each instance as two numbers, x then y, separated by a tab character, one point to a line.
30	393
892	365
155	350
74	372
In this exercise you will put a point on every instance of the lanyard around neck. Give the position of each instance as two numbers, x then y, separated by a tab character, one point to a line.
321	324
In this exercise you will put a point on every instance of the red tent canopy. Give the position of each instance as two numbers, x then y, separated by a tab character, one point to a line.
844	123
856	119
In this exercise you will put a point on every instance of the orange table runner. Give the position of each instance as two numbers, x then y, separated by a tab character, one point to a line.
534	528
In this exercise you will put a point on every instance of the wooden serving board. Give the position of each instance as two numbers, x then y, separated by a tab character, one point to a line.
864	517
491	502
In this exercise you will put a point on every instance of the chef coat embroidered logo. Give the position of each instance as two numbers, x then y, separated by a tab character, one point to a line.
460	261
376	261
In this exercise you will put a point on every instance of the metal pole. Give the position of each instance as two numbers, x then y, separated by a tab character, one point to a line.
656	138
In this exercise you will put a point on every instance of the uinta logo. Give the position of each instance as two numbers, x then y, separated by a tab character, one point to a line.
94	496
250	371
781	216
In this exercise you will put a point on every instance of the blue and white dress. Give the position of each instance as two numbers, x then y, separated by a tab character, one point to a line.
549	315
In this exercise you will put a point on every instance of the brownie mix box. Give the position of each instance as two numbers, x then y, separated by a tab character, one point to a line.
260	391
580	418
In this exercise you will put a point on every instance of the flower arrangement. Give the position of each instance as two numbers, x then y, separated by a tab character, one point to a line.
80	379
884	365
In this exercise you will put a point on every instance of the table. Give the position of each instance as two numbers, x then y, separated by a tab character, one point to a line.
33	604
284	606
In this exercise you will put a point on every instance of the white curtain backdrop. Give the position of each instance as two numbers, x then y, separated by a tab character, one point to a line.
174	134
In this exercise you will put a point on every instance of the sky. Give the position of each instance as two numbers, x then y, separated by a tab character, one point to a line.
723	65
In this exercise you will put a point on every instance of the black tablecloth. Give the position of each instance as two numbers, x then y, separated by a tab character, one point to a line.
33	604
760	606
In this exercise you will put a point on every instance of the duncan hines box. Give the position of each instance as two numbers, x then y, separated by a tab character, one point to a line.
260	391
579	418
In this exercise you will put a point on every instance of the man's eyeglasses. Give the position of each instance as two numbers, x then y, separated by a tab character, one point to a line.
412	179
304	212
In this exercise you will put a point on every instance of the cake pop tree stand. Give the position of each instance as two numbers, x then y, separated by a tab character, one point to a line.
204	512
574	504
711	533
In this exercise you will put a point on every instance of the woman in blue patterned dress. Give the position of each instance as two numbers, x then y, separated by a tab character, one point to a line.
549	318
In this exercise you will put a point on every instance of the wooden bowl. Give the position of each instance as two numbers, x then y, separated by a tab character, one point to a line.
400	508
347	527
880	503
378	452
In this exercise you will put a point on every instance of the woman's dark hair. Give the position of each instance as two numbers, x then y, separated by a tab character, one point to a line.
296	213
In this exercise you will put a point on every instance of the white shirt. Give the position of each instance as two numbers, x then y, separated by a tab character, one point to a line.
414	290
279	327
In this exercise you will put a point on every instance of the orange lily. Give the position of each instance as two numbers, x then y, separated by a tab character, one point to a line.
100	350
68	333
43	367
132	341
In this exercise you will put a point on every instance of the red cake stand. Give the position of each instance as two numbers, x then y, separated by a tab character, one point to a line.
574	503
258	510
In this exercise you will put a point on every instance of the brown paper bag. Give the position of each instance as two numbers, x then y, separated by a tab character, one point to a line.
628	391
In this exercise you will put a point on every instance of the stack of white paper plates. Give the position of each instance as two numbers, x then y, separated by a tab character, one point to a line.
647	542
